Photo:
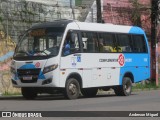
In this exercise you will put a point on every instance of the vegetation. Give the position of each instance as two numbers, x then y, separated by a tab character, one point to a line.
11	94
6	45
136	14
145	86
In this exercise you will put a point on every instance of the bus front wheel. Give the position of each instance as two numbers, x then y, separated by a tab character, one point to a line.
28	93
125	89
72	89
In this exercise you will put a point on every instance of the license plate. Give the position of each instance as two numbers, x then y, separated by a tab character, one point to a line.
27	78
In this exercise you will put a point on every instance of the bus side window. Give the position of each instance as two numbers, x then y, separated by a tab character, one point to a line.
139	44
124	43
109	42
66	46
92	42
85	38
71	44
75	46
101	42
84	41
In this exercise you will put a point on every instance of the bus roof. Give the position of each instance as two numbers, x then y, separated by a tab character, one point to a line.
109	28
99	27
56	23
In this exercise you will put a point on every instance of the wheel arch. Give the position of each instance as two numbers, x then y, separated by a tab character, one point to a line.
77	76
128	74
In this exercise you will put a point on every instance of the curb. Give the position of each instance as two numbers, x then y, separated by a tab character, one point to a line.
2	97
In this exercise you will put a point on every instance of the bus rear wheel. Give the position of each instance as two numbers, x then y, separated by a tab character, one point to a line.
72	89
28	93
89	92
125	89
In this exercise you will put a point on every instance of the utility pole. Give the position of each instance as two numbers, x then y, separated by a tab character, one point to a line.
99	13
71	6
154	15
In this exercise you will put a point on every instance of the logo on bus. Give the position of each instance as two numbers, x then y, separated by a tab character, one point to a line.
121	60
37	65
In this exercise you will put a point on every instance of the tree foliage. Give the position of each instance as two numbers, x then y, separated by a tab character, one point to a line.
136	13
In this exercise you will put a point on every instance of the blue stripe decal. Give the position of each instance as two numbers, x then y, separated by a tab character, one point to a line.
138	65
31	66
41	76
28	66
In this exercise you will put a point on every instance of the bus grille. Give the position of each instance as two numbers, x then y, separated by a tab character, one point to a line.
28	75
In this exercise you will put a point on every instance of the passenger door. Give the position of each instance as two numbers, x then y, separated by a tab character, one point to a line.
70	61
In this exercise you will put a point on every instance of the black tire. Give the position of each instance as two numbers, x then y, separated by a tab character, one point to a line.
125	89
28	93
89	92
72	89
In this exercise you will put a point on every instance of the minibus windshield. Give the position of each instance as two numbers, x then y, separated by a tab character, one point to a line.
40	42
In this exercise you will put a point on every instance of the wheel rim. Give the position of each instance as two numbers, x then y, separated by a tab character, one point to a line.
127	87
72	89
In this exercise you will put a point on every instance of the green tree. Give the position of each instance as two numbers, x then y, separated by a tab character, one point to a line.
136	12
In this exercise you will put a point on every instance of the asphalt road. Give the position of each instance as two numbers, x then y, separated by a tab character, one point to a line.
138	101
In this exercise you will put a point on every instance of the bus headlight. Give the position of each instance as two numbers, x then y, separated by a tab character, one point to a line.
50	68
